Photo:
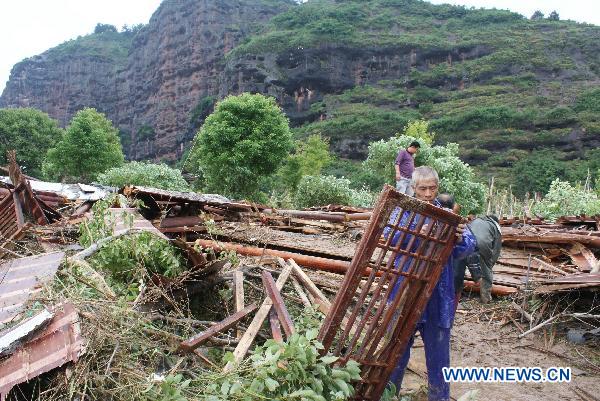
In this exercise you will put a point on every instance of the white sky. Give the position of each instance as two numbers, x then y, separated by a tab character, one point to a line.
29	27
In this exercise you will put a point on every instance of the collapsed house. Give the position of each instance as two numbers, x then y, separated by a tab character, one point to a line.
536	256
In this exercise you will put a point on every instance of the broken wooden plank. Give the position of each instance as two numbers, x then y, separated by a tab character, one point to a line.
275	327
582	257
13	336
278	304
248	337
324	303
238	285
301	293
200	338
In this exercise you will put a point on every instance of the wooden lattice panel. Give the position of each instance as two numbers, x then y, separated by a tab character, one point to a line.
384	293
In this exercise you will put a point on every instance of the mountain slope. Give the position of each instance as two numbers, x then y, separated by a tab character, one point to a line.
356	71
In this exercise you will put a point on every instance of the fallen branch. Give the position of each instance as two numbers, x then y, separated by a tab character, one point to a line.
539	326
521	311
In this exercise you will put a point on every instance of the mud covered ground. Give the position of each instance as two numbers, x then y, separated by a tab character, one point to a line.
480	342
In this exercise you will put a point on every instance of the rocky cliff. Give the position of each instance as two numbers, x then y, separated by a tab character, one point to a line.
355	71
150	88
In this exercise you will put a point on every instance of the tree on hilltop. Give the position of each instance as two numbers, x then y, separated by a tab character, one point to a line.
537	16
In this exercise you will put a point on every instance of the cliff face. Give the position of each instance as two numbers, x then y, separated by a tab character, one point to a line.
497	83
175	62
62	88
170	66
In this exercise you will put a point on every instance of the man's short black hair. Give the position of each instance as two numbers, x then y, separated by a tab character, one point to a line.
446	200
415	144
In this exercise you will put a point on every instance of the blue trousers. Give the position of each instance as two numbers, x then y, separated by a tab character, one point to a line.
437	355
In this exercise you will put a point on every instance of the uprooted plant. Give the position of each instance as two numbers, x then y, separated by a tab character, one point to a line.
128	258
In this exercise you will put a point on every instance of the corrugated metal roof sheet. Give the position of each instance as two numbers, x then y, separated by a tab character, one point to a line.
175	196
56	345
68	191
20	278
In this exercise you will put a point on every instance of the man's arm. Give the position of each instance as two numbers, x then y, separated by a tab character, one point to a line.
398	176
465	246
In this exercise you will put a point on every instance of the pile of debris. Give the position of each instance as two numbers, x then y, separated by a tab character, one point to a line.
55	308
550	257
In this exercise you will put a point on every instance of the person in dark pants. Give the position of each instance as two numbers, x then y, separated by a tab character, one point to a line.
486	230
489	244
437	319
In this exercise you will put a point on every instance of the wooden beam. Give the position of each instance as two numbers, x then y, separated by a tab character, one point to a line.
278	304
301	293
321	299
199	339
275	327
238	284
248	337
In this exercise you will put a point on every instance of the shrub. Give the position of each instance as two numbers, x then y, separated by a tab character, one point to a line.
89	147
536	172
128	258
244	140
287	371
588	101
144	174
322	190
563	199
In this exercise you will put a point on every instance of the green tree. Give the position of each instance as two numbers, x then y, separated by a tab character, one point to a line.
31	133
553	16
536	172
101	28
245	139
144	174
456	177
310	159
537	15
419	129
89	147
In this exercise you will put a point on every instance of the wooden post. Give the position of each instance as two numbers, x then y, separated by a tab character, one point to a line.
238	284
324	304
278	304
248	337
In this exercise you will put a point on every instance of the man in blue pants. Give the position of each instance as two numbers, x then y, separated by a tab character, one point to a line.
438	316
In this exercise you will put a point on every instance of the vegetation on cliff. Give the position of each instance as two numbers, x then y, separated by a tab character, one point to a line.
492	80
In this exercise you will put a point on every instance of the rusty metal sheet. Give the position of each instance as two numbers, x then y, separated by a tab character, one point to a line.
173	196
373	328
9	221
129	218
23	194
21	278
57	344
582	257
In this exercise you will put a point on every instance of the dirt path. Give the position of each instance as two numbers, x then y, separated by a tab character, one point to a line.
488	344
